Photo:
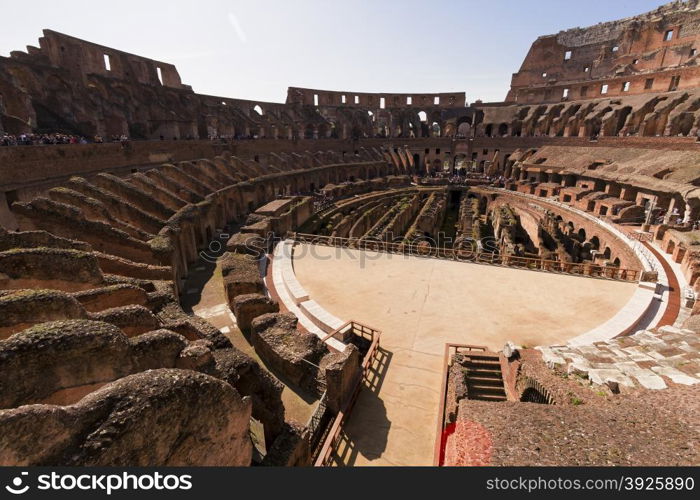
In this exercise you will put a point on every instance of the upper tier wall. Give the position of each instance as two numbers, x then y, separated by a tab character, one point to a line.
375	100
653	52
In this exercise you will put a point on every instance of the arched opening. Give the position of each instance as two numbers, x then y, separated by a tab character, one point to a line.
357	132
595	243
423	116
464	129
460	163
616	262
416	161
607	253
309	132
488	131
582	235
503	129
437	131
258	109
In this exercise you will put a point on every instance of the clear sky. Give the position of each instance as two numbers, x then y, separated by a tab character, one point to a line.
255	49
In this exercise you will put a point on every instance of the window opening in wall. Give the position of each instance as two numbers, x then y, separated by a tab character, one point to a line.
604	89
584	91
108	63
693	52
626	87
382	103
159	72
485	151
409	100
544	75
315	99
615	48
649	83
437	151
565	94
223	103
258	109
668	36
567	55
436	101
357	99
343	99
675	81
636	61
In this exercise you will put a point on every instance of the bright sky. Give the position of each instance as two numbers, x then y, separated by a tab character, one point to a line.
255	49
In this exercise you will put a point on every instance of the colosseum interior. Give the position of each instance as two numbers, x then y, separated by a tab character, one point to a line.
355	278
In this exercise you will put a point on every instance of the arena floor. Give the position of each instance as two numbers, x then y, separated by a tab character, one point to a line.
422	304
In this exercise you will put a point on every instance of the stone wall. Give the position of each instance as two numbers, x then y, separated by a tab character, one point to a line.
649	51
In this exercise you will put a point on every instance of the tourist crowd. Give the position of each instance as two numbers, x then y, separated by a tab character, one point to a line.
38	139
57	138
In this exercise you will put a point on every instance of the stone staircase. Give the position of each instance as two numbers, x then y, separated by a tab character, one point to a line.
649	359
484	377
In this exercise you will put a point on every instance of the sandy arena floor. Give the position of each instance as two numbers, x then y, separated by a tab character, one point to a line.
421	304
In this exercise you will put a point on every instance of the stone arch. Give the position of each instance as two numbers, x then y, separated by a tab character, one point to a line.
309	132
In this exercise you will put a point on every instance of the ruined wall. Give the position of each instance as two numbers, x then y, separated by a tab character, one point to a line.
652	52
74	86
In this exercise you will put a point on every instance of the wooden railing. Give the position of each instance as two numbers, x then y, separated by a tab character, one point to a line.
586	269
330	444
450	351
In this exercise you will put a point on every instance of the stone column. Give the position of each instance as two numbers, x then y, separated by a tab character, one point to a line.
671	206
687	217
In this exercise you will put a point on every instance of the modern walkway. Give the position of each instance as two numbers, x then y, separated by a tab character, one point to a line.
674	289
421	304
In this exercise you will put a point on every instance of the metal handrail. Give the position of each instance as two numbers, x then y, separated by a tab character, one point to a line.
330	444
556	266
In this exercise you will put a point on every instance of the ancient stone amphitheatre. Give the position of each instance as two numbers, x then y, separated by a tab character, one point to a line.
348	278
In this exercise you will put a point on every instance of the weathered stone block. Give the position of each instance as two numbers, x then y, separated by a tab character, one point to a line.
248	307
342	372
290	352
